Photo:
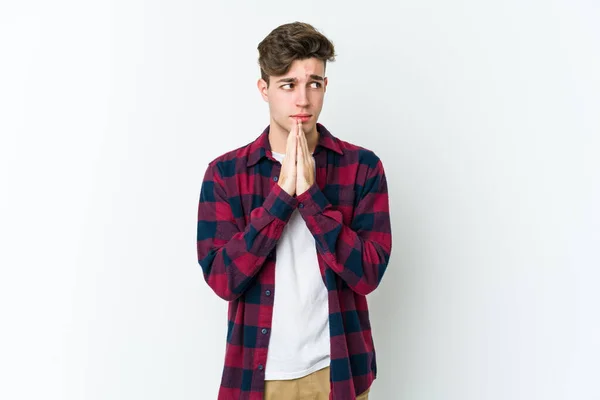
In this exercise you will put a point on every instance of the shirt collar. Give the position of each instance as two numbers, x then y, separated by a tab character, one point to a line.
261	146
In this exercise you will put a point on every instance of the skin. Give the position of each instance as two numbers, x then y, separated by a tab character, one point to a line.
288	135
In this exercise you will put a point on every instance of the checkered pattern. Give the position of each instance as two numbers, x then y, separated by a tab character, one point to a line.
241	215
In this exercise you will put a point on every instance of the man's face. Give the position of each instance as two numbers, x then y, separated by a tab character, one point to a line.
300	91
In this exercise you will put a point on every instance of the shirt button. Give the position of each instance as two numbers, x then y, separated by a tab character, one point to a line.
260	367
301	205
275	179
268	292
264	331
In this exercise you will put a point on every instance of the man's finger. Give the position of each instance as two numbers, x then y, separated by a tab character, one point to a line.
300	130
294	144
291	141
304	144
302	141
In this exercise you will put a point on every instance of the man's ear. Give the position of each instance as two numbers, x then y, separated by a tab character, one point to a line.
325	84
263	89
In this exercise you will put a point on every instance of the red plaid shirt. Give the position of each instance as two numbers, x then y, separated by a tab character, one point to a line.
241	215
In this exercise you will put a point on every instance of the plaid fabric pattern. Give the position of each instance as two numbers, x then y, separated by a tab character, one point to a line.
241	215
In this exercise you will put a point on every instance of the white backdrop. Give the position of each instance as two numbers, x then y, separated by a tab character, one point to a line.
485	114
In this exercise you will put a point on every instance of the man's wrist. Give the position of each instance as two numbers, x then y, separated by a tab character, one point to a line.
287	188
303	188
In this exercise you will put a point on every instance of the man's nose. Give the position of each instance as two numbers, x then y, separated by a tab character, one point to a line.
302	99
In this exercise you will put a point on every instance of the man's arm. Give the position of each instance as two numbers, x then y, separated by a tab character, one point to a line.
229	257
359	253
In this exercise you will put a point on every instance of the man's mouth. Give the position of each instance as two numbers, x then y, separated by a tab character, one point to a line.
302	117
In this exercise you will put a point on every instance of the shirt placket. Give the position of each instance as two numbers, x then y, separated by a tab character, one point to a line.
265	317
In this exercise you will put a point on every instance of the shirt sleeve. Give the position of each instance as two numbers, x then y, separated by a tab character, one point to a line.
358	253
229	256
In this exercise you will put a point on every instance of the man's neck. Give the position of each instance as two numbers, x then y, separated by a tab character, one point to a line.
278	138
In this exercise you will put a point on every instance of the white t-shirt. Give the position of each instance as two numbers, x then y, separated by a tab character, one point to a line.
299	343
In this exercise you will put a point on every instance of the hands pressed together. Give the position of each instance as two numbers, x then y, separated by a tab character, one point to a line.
298	168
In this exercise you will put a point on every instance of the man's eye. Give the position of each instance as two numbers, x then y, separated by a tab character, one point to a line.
291	84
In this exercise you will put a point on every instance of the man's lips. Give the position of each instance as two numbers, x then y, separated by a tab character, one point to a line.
302	117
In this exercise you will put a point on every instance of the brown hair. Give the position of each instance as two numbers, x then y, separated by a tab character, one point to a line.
290	42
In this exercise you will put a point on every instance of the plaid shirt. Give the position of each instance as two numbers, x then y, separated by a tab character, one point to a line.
241	215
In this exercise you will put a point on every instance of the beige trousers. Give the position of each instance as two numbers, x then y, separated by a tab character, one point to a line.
311	387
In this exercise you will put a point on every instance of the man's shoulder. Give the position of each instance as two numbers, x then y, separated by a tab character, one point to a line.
229	160
235	154
359	154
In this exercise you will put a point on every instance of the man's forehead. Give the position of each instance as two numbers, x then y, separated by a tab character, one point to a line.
304	69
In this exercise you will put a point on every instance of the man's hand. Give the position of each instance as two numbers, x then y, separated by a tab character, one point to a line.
287	176
306	163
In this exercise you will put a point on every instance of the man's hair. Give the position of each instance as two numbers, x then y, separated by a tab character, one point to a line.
290	42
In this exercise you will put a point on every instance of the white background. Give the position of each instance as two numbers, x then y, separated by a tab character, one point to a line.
485	114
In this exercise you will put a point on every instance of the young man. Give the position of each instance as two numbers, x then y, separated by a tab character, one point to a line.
294	231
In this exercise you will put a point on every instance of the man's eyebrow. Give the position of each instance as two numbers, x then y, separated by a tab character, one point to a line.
313	77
